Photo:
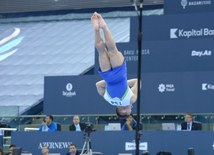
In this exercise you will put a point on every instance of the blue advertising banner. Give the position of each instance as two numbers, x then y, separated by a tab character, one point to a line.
177	92
188	6
70	95
161	93
168	56
115	142
174	27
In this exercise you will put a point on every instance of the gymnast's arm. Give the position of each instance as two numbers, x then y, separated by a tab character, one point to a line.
101	86
133	84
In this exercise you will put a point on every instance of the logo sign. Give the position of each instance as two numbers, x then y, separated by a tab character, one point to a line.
55	145
5	50
181	33
201	53
206	86
185	3
68	92
132	146
166	87
213	145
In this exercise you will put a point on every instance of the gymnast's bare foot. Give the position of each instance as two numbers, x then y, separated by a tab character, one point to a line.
95	21
102	23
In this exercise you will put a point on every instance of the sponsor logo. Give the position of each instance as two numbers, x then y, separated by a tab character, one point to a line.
166	88
132	146
69	93
201	53
181	33
206	86
185	3
55	145
5	49
213	145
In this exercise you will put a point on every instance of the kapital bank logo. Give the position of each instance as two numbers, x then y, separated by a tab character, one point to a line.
181	33
5	50
68	92
185	3
206	86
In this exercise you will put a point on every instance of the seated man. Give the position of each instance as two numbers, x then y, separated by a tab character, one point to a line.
72	150
48	124
130	123
11	149
45	150
77	126
189	125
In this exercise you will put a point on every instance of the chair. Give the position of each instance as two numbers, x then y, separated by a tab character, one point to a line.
58	126
199	124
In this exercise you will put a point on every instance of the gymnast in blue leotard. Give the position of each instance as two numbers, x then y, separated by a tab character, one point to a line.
115	88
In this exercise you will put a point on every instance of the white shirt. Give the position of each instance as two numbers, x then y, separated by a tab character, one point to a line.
78	127
124	101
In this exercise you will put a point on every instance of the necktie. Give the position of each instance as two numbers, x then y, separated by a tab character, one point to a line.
188	126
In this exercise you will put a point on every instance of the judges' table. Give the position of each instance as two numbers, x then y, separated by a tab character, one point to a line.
115	142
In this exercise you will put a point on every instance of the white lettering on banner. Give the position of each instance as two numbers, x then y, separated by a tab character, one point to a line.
201	53
208	32
132	55
131	58
166	87
128	52
194	3
200	3
213	145
206	86
190	33
132	146
55	145
68	93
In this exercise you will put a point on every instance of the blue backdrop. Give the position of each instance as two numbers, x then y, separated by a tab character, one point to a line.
161	93
113	142
188	6
168	56
168	27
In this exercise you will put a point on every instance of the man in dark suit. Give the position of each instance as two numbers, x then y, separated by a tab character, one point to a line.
72	150
189	125
77	126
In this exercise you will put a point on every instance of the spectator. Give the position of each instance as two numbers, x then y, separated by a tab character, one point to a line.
11	149
189	125
122	122
130	123
45	150
73	150
48	124
1	151
77	126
